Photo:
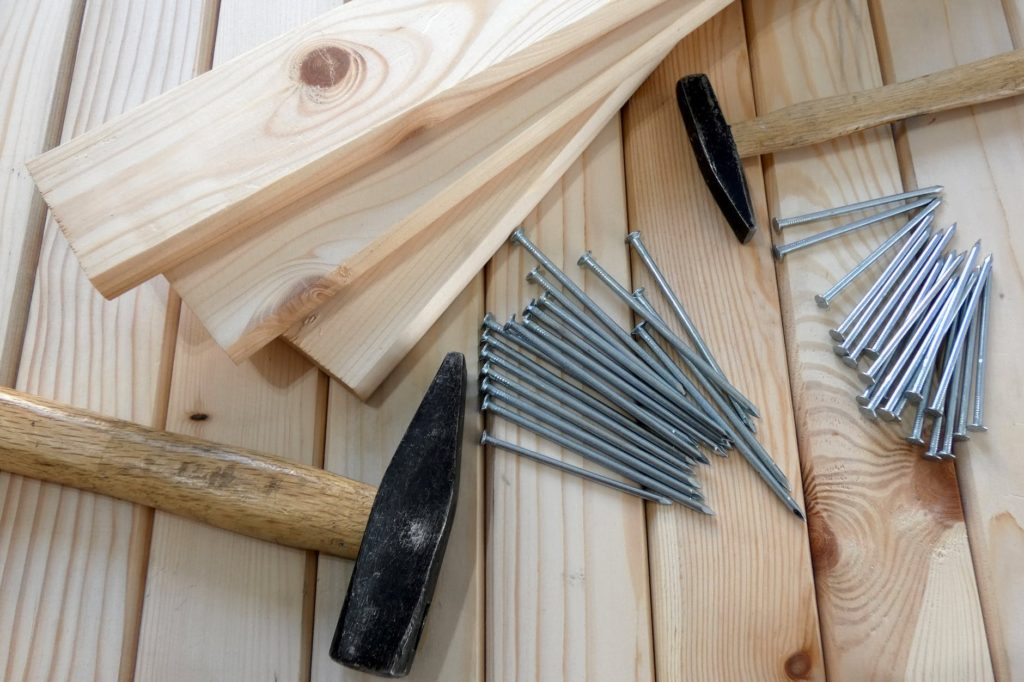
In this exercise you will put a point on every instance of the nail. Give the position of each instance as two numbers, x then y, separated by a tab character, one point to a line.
592	455
934	440
563	421
906	251
916	436
781	223
948	426
977	418
960	390
780	251
958	339
825	299
486	439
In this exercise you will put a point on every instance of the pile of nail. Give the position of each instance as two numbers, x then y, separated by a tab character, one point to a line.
571	375
918	336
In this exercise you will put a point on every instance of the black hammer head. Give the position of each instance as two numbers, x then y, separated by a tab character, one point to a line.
406	534
716	153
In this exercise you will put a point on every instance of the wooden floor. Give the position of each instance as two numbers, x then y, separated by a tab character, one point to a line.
906	569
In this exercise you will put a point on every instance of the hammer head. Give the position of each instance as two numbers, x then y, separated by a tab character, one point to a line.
406	535
716	153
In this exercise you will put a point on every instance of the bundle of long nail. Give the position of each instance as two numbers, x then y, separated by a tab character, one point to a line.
568	373
921	328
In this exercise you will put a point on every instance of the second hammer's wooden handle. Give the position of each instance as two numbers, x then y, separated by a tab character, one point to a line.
239	490
830	117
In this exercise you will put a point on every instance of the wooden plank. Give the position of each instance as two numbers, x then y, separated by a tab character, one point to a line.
36	46
567	583
72	563
897	597
254	285
359	341
219	605
978	155
744	575
361	439
292	115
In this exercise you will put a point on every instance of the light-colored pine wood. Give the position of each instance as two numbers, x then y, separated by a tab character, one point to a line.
220	606
807	123
71	563
361	439
897	597
978	155
275	124
252	286
36	43
359	341
567	582
237	489
744	575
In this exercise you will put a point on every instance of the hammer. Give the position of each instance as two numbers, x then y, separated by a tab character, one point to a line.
720	147
399	530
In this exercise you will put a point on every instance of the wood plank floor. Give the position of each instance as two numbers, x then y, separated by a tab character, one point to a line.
906	570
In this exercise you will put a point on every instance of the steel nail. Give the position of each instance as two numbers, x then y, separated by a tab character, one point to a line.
488	440
780	251
977	417
781	223
934	440
960	388
916	436
921	232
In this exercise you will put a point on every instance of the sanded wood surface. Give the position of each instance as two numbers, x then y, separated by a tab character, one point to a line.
286	118
73	562
219	605
253	286
567	581
37	42
707	572
823	119
361	439
978	154
897	596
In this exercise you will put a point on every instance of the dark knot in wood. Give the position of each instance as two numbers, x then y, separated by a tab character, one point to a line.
325	66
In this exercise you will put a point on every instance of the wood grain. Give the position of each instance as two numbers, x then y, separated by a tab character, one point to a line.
359	341
978	154
220	606
253	286
36	46
567	583
744	575
73	562
896	591
237	489
288	117
820	120
361	439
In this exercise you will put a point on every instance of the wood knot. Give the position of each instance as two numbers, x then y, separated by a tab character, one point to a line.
935	488
824	548
324	67
798	666
199	416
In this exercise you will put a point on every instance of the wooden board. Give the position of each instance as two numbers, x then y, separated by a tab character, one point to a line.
275	124
219	605
897	596
361	439
358	341
73	563
708	573
567	583
36	47
254	285
978	154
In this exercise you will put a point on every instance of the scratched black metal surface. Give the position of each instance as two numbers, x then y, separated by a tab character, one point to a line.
406	535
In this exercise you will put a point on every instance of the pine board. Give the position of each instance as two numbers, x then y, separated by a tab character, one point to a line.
361	439
978	155
567	583
897	596
72	562
707	572
36	46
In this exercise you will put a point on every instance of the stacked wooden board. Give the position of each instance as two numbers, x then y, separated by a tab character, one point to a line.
572	582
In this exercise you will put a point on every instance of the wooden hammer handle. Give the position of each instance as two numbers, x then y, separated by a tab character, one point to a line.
830	117
232	488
